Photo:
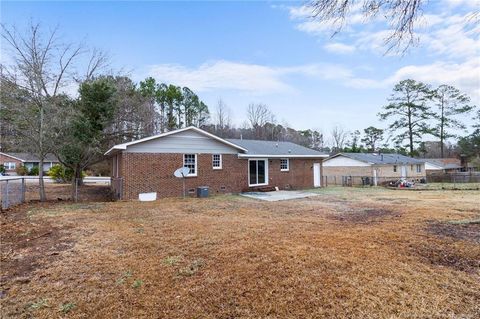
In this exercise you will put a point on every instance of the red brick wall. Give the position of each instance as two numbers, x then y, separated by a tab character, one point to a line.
300	174
4	159
150	172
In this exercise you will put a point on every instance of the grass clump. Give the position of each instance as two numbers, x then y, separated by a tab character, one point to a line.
191	269
172	260
66	307
137	283
39	304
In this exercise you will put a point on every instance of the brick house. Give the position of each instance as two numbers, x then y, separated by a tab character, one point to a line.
224	165
377	167
11	161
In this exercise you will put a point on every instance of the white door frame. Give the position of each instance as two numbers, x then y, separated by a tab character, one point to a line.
403	171
317	176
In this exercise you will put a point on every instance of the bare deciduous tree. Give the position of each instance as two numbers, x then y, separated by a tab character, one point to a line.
402	16
42	66
222	118
339	138
258	115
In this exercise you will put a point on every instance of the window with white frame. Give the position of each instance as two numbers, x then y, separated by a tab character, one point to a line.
257	172
217	161
284	165
190	161
419	168
10	165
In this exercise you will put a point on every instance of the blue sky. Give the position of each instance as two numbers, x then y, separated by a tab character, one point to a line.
269	52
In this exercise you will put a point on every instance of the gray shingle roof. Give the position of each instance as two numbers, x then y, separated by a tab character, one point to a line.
257	147
28	157
444	163
376	158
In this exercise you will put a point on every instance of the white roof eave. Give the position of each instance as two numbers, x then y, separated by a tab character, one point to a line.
125	145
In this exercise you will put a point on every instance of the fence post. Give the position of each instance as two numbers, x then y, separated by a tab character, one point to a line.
76	190
6	194
23	190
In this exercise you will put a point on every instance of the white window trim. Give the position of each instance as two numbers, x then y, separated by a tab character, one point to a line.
288	165
419	168
196	164
10	166
266	172
221	161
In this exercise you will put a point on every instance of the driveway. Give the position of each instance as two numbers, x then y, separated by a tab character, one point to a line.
278	195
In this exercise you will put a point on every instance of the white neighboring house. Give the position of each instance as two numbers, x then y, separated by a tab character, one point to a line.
11	161
377	167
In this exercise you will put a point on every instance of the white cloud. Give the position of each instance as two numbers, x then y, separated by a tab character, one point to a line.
254	78
464	3
465	76
339	48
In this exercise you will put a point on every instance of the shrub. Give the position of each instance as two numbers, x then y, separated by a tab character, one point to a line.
21	170
61	174
34	171
57	172
2	169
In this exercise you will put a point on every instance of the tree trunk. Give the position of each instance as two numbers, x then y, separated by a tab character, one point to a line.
41	183
410	131
77	181
442	123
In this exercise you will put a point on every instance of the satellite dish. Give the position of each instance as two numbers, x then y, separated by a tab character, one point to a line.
181	172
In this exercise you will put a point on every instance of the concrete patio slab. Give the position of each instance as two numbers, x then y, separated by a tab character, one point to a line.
278	195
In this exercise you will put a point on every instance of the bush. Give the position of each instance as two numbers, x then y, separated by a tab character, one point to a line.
2	169
34	171
59	173
62	174
21	170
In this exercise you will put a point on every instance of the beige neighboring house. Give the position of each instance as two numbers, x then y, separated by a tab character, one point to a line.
372	168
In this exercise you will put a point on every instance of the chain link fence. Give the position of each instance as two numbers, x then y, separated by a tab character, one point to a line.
17	190
116	186
350	180
447	178
12	192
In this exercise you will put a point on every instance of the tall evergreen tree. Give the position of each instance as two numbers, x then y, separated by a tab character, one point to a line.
83	134
450	102
409	112
371	137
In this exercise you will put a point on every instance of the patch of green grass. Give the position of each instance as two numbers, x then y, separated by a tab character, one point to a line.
66	307
450	186
125	275
39	304
465	222
191	269
137	283
172	260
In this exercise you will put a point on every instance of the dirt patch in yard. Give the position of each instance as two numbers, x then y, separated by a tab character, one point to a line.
448	255
463	230
28	244
365	216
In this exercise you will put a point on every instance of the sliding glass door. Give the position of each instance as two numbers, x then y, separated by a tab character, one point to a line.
257	172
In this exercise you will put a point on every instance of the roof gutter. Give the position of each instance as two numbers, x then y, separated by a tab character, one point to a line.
280	156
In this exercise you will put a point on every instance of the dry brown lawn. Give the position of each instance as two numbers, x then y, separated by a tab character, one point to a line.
348	253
